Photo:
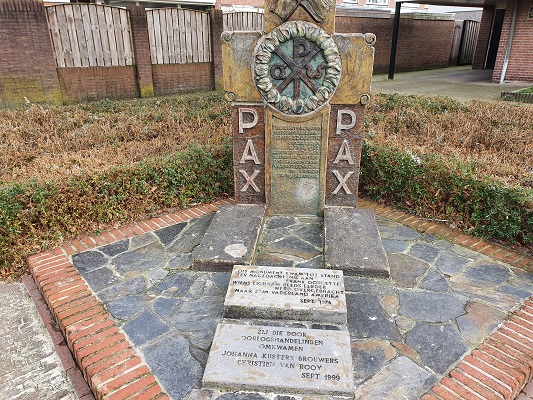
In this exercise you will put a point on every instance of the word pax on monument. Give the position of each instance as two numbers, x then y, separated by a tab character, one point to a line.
298	93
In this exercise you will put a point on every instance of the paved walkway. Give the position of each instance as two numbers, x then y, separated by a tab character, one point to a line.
462	83
407	332
30	369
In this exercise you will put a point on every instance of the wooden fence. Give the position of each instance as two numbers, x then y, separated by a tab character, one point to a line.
243	21
468	42
90	35
179	36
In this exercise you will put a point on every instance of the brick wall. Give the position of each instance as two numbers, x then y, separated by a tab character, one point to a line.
94	83
422	44
483	37
179	78
141	48
27	64
520	67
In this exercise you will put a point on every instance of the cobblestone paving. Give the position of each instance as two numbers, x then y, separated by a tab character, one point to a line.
407	331
29	366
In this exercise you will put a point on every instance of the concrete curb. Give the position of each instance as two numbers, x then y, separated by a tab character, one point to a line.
498	369
105	356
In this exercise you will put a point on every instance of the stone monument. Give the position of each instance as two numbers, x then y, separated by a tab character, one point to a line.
298	93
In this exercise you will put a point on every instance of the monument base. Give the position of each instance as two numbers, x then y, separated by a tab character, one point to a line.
230	239
353	244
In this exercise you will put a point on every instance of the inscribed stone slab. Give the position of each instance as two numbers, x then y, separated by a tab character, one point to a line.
286	293
295	163
231	238
264	358
352	242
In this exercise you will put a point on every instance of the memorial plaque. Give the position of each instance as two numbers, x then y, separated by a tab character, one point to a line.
296	162
293	360
286	293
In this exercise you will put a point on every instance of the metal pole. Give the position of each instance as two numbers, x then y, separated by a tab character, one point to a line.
395	28
509	44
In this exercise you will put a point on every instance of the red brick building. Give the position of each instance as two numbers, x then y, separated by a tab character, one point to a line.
505	41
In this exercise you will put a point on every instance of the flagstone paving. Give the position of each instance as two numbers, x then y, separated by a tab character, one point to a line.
441	301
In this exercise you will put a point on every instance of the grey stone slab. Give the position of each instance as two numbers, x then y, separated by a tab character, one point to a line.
279	221
293	246
369	356
231	238
168	235
479	321
30	369
241	396
394	246
273	259
170	360
514	291
312	234
368	319
286	293
435	281
485	294
100	278
116	248
406	270
439	346
424	252
88	261
450	263
145	327
180	261
369	285
131	286
191	235
143	258
164	306
316	262
352	242
482	274
395	231
128	306
401	379
429	306
265	358
174	284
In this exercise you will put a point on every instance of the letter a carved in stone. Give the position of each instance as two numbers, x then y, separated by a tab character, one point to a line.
344	154
249	153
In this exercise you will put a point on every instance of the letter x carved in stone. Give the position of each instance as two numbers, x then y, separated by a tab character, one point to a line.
342	181
249	180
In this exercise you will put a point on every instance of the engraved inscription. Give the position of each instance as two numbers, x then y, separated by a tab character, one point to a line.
345	126
247	124
294	359
249	153
342	181
298	158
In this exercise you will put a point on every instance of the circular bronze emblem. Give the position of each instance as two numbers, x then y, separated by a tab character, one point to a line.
297	67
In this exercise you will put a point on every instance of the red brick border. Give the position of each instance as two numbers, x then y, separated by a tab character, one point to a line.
498	369
106	357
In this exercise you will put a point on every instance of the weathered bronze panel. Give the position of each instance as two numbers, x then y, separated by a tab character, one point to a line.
248	122
295	163
237	51
344	155
357	57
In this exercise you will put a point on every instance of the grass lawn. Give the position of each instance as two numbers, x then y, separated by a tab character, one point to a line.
70	170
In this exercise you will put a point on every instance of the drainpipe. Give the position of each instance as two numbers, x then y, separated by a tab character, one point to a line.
396	26
511	35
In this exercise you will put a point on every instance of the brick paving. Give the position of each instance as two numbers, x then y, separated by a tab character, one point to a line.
159	326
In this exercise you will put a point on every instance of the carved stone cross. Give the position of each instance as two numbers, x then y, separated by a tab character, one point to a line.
297	95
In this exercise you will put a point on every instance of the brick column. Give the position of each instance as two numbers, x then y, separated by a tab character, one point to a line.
141	47
216	45
483	38
27	63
